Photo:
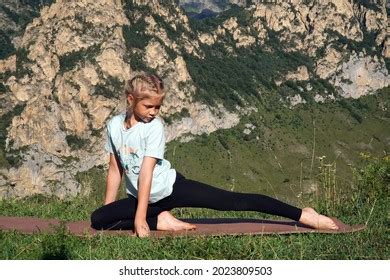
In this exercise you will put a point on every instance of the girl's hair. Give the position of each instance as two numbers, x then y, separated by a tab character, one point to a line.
143	86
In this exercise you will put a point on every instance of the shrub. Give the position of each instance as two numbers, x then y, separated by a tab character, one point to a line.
137	63
113	87
22	62
7	48
177	116
70	60
373	177
351	109
3	88
370	4
75	142
135	36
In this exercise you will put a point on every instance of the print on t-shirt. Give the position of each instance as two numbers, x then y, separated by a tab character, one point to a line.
130	159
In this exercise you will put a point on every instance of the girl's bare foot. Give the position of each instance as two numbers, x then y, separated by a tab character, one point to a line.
311	218
165	221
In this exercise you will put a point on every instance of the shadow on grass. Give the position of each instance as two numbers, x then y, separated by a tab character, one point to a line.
54	245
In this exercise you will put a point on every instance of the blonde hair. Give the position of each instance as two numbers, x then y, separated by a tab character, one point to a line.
142	86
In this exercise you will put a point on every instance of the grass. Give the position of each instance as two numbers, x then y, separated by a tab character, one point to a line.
365	200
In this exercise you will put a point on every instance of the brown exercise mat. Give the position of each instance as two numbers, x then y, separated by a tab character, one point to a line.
205	227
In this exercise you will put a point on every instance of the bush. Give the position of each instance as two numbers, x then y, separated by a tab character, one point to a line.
373	179
36	4
112	88
137	63
177	116
70	60
351	109
135	36
75	142
22	18
3	88
22	62
370	4
7	48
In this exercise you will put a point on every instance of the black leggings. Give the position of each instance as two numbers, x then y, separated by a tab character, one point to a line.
188	193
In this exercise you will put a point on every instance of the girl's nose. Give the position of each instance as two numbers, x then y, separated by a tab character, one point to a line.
154	112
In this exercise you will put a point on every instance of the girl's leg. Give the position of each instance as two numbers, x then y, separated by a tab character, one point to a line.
189	193
120	215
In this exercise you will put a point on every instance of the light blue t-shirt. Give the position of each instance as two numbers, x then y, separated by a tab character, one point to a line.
132	145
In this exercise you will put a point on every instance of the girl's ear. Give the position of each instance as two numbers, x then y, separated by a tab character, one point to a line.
130	99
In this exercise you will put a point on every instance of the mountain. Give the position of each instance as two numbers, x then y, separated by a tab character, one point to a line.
64	64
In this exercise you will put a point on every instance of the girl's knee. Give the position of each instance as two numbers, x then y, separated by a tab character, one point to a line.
96	220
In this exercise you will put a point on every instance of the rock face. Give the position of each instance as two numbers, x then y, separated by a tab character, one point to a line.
326	66
361	75
213	5
8	64
62	102
71	62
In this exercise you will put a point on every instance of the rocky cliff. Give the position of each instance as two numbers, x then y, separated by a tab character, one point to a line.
64	78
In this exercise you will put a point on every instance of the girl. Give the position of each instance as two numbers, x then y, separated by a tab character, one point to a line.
136	143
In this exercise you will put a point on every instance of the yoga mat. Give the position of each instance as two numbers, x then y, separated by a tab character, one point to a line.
205	227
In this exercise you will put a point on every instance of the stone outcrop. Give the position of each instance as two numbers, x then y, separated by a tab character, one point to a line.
361	75
8	64
213	5
326	65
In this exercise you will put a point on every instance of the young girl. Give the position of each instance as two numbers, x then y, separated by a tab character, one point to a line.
136	143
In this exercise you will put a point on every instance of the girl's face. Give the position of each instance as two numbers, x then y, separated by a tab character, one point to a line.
146	109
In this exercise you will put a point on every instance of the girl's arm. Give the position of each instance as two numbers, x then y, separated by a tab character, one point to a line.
144	186
114	178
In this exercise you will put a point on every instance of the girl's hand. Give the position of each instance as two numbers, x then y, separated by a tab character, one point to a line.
141	228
